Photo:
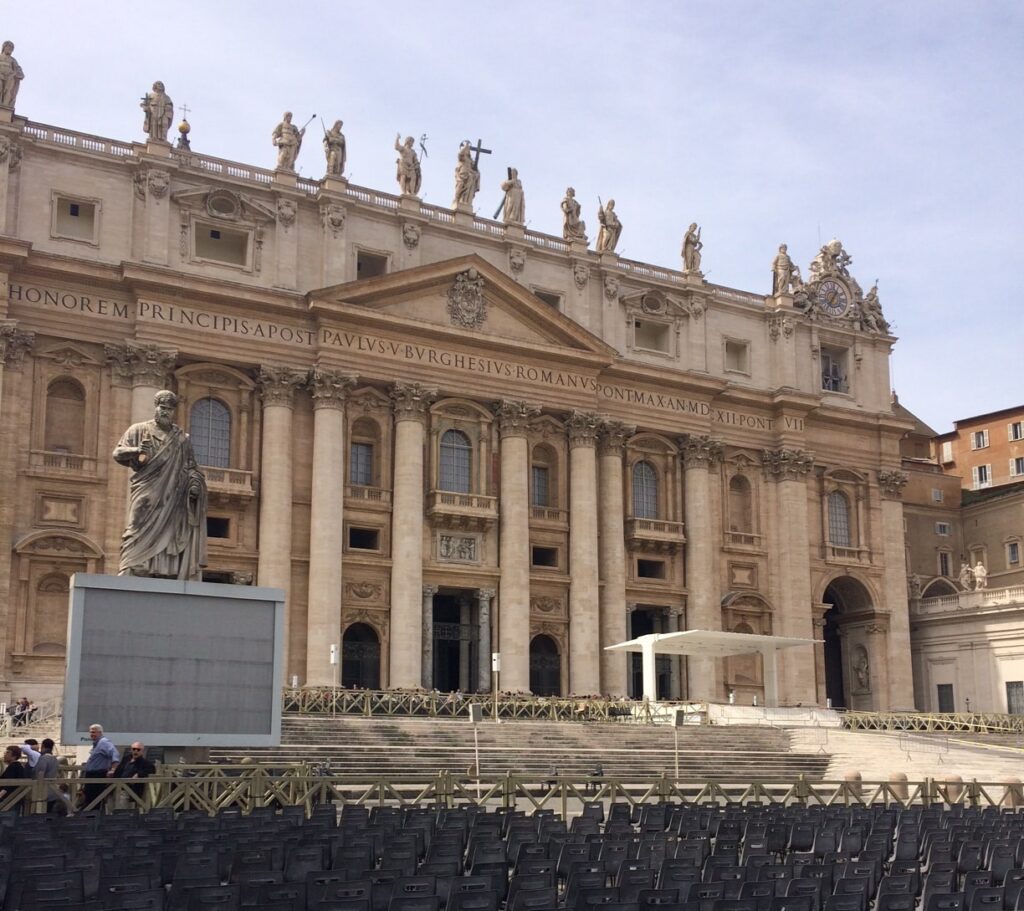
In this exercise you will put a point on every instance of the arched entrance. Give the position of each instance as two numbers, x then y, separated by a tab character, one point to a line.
360	657
938	588
848	675
545	667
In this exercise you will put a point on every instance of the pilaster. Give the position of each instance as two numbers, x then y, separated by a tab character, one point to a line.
10	158
584	591
484	597
286	241
898	658
333	246
427	677
612	438
152	188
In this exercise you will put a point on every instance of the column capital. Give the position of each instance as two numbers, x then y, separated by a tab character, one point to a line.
583	427
278	384
120	362
485	594
514	417
330	388
892	483
612	436
700	451
14	343
411	401
149	365
787	464
429	591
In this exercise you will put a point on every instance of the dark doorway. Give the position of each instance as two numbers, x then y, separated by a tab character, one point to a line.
455	647
545	667
642	622
834	688
360	657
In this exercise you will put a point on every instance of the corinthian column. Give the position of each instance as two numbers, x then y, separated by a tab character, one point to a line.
612	444
484	596
14	342
900	674
513	617
411	402
150	366
584	609
277	388
789	469
704	610
330	389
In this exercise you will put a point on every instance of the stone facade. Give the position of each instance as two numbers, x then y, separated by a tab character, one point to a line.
984	451
443	436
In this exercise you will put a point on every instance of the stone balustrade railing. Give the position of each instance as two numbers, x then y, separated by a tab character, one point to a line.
970	600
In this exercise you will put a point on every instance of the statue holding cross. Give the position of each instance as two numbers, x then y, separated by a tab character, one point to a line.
467	173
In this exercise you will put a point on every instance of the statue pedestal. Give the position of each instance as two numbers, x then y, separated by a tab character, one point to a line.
693	277
334	184
464	215
781	302
157	148
610	258
515	232
6	114
578	247
285	178
409	203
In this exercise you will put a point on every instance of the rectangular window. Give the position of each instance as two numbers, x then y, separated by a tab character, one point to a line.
363	538
945	564
979	439
544	556
1015	431
981	476
74	219
1017	467
539	493
947	452
650	569
833	370
945	694
360	464
737	356
1015	697
942	529
223	245
550	298
1012	554
650	336
370	265
218	527
977	555
937	495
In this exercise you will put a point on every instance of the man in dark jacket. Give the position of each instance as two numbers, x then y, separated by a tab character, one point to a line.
134	764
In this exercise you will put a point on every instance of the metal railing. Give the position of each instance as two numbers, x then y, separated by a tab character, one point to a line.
46	712
211	788
929	722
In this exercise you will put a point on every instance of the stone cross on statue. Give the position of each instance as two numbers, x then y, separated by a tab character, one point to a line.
477	150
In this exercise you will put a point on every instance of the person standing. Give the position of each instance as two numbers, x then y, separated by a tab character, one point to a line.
47	769
135	765
14	769
99	764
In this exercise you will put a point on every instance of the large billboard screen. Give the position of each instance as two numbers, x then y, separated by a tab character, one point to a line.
174	663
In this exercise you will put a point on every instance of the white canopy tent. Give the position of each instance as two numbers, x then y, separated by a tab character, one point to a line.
711	644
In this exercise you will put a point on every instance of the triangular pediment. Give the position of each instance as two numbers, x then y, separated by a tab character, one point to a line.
69	355
465	297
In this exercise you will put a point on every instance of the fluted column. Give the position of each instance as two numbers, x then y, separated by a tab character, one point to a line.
484	596
150	366
612	549
274	569
514	549
427	681
584	608
789	468
411	402
330	389
704	611
898	664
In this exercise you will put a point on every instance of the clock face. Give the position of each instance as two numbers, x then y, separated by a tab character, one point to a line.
832	298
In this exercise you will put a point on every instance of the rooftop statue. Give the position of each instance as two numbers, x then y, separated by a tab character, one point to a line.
467	178
782	271
334	149
409	175
573	229
10	76
514	204
611	228
871	312
832	259
159	111
166	532
288	139
692	245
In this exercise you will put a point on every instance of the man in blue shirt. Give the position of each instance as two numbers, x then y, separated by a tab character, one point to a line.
102	758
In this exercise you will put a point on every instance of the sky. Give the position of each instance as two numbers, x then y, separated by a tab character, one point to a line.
895	126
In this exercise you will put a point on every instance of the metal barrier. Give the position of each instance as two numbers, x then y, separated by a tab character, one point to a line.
246	787
928	722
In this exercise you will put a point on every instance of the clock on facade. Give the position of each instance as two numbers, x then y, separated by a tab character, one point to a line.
832	298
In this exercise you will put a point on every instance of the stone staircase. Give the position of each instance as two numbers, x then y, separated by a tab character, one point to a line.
415	748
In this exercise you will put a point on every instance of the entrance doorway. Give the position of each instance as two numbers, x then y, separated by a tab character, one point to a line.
834	688
643	621
360	657
850	600
455	647
545	667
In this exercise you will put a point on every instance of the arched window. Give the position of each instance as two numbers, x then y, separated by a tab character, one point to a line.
210	429
839	519
645	491
456	462
65	417
741	512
